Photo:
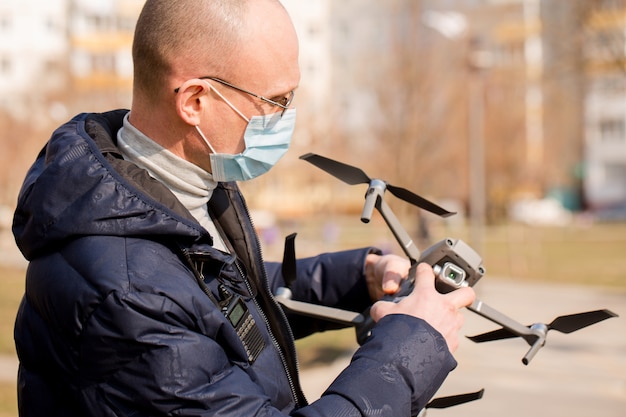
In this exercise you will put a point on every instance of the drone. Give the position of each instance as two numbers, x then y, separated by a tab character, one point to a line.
455	265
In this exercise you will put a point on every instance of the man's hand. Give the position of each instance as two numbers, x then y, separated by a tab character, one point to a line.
441	311
384	273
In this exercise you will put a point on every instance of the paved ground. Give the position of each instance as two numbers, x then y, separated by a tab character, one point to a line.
577	375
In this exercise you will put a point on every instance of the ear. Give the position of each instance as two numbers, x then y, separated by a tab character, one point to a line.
189	103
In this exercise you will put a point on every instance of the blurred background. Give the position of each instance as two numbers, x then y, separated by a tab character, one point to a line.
510	112
503	110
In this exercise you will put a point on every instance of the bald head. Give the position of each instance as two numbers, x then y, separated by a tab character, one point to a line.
186	38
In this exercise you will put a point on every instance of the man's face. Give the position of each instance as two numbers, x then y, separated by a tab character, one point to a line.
266	64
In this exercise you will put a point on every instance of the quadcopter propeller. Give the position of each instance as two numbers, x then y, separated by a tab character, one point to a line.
289	270
352	176
445	402
564	324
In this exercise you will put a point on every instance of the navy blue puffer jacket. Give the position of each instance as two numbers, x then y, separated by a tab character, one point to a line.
121	314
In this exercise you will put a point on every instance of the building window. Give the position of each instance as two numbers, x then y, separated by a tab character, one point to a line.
52	66
610	5
126	24
615	173
510	54
103	64
613	130
99	23
609	85
5	23
5	65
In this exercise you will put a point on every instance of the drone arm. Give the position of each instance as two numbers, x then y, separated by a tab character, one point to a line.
408	246
344	317
535	335
508	323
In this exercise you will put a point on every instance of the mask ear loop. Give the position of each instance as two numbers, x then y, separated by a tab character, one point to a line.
204	138
229	105
227	101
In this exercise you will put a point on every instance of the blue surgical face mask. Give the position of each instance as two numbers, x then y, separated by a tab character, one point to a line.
267	139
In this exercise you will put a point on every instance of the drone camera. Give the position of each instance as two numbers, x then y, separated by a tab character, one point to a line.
452	273
455	264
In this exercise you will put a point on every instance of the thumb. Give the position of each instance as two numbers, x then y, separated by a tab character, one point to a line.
424	277
380	309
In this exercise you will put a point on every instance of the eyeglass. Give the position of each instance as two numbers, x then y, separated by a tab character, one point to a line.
286	101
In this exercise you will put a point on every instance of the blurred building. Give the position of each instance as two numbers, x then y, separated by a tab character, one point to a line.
100	38
33	54
316	65
405	89
604	54
53	52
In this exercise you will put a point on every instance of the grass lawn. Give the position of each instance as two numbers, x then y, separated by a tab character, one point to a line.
8	400
11	289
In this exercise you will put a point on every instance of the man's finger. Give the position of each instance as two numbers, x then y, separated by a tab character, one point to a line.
424	276
380	309
391	281
462	297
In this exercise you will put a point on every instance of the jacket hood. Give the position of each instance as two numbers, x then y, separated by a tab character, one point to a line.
80	185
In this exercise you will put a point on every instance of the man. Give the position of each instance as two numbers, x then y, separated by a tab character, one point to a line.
146	293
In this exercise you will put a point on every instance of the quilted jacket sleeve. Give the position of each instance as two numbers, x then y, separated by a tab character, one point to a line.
395	373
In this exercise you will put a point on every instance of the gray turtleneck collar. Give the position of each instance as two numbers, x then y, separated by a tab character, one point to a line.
191	185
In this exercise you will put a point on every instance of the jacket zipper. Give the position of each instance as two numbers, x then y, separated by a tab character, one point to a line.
292	385
290	377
